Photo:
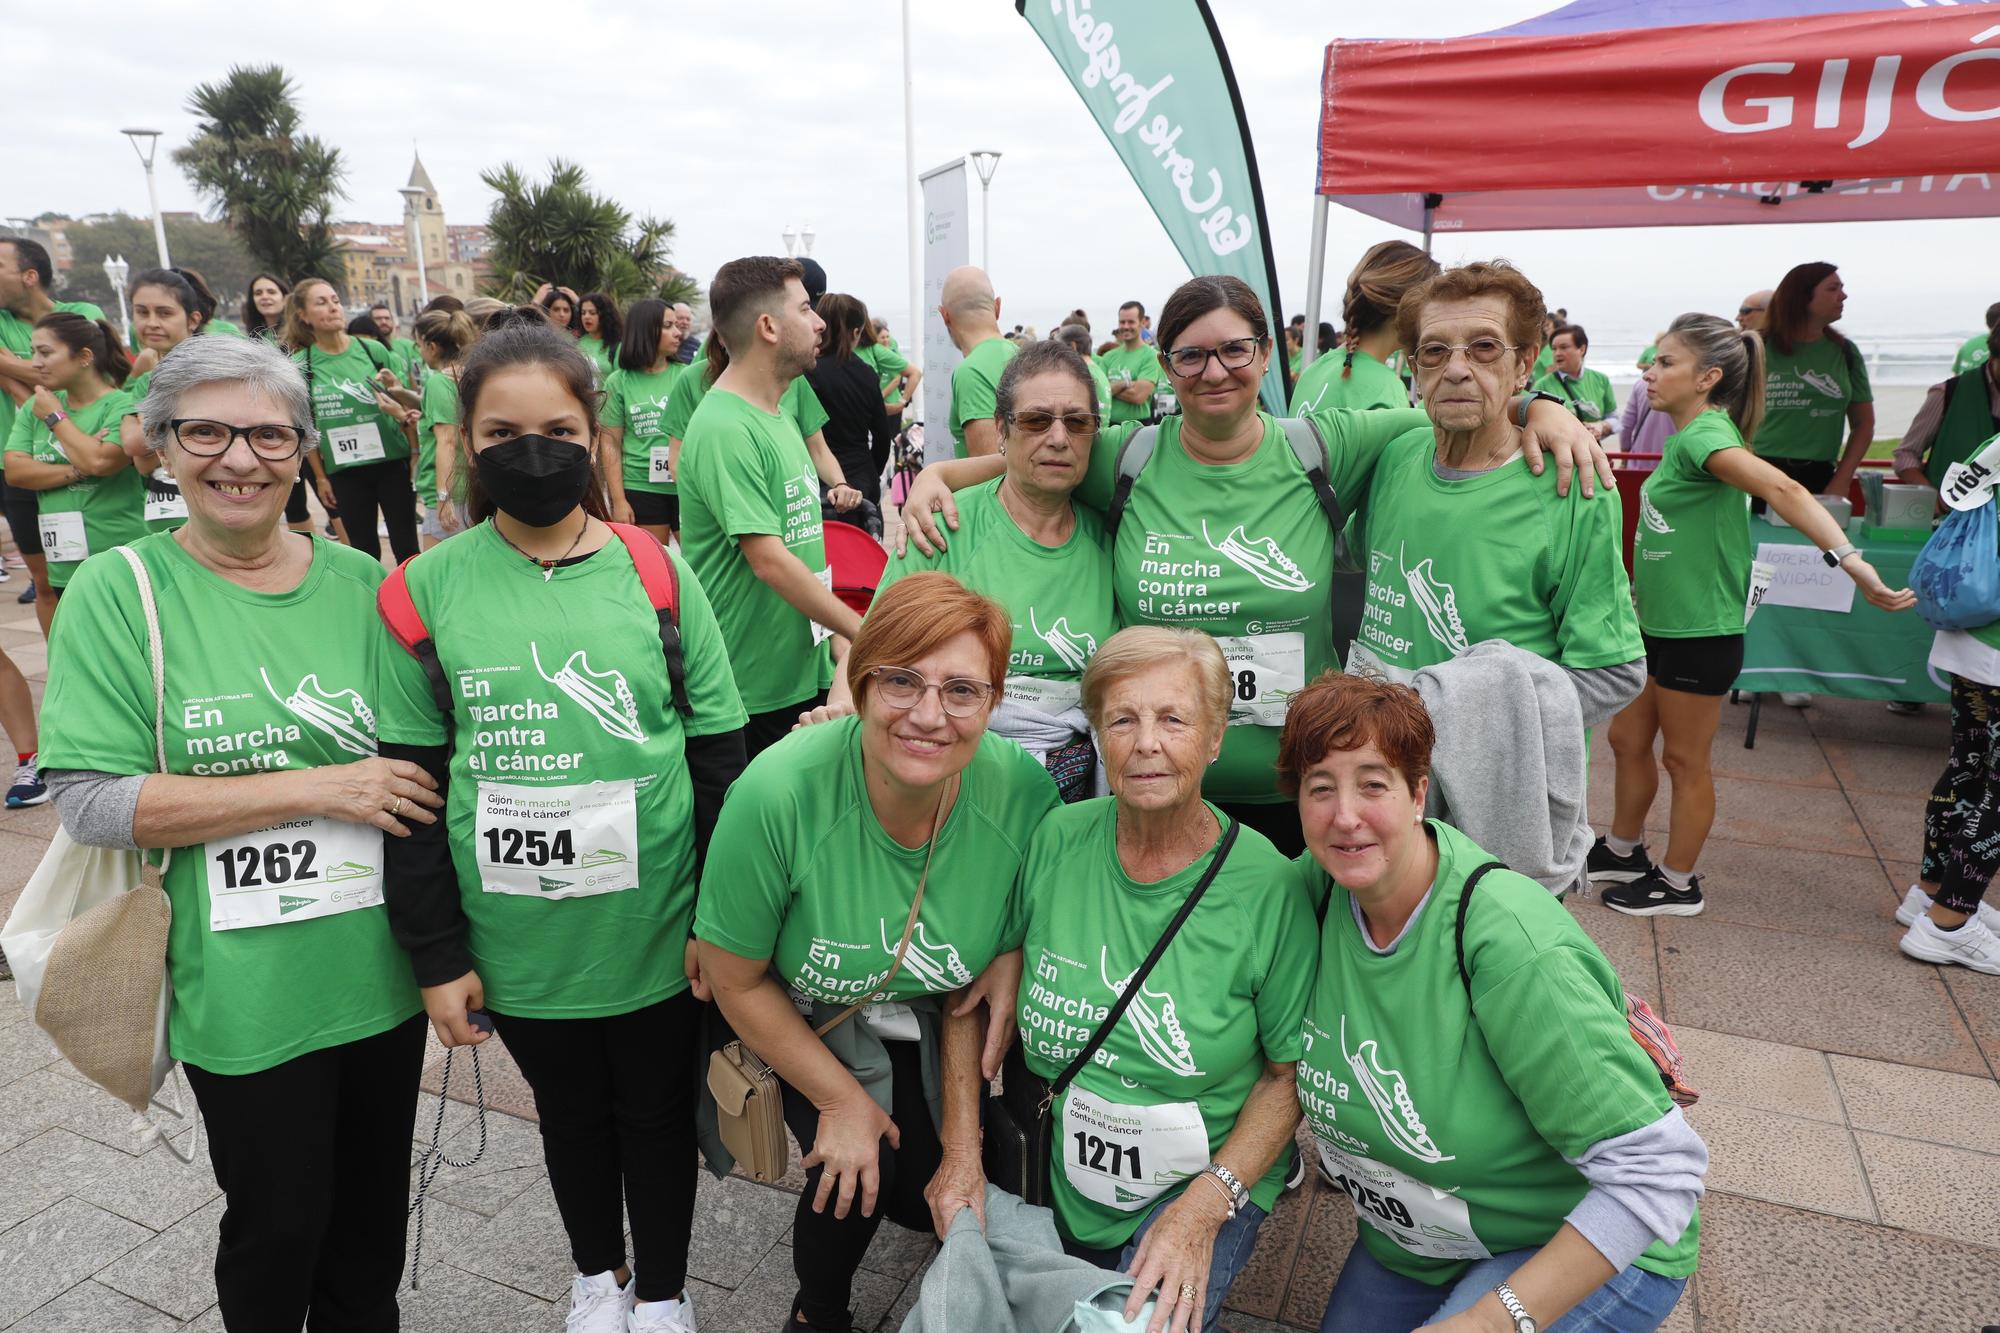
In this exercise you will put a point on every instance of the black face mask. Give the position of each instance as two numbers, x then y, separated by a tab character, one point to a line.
533	479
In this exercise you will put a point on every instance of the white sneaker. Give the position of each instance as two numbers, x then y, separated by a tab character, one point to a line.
1916	902
1971	945
663	1316
1795	699
598	1304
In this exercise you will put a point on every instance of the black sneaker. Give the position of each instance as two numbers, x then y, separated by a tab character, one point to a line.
1608	867
1651	895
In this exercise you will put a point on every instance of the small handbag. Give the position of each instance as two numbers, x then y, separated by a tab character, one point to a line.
1019	1132
749	1104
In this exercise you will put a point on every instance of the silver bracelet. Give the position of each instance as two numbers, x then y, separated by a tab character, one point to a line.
1238	1193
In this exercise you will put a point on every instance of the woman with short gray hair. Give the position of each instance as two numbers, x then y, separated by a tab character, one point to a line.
294	1011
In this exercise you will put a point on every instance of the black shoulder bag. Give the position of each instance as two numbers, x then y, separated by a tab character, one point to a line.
1019	1134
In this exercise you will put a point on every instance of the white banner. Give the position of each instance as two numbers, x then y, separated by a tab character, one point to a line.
947	245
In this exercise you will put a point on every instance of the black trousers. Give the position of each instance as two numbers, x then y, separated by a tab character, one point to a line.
361	491
764	730
313	1157
616	1098
1813	474
827	1249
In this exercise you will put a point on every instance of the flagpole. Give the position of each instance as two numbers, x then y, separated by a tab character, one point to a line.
912	332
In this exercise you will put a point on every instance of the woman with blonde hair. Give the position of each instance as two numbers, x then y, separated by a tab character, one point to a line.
443	339
1357	373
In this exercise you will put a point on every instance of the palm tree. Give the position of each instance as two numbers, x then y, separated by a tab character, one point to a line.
274	186
561	232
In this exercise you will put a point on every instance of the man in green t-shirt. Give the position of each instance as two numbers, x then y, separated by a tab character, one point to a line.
26	275
1974	352
1132	367
972	317
1587	392
405	351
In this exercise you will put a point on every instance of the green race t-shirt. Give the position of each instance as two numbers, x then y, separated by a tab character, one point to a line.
973	384
1372	384
888	362
746	472
440	409
1243	552
1974	352
165	509
279	944
1226	997
801	872
604	358
1454	1130
91	514
798	402
1544	361
635	402
17	336
1806	396
1589	395
353	430
1123	365
222	328
1496	556
409	361
1102	384
1059	597
570	810
1691	548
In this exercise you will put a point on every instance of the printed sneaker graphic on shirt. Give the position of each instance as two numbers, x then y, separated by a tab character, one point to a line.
346	870
340	714
1389	1093
602	856
1438	601
1155	1020
1075	650
360	393
1650	515
936	965
1824	382
1261	556
602	694
287	904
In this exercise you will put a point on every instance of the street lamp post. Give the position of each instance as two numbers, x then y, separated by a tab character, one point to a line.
791	235
985	161
115	271
413	195
146	152
806	237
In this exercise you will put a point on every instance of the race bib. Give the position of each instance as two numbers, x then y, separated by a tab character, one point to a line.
165	508
820	632
1762	574
1265	671
294	871
1126	1156
892	1021
359	443
1967	485
63	537
1421	1220
557	842
660	465
1054	697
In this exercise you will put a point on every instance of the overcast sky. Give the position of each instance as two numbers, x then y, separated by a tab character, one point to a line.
735	119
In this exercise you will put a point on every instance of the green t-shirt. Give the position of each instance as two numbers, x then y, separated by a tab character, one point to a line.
409	361
635	402
1102	383
1058	597
353	430
222	328
604	358
888	362
1226	997
17	335
798	402
440	409
1122	365
1243	552
91	514
801	872
746	472
1691	548
1974	352
973	384
1806	397
1589	395
1496	556
1372	384
570	811
1545	360
164	510
279	944
1458	1131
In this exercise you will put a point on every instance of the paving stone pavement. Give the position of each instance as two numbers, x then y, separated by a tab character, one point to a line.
1849	1102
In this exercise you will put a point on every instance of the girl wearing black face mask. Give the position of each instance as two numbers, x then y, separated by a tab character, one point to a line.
583	741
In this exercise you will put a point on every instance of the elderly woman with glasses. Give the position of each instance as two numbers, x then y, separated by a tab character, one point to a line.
294	1011
1217	522
835	842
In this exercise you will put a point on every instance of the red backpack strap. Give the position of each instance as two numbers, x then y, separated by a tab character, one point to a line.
406	625
663	590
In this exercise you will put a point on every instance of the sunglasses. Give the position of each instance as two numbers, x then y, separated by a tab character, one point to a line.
1035	421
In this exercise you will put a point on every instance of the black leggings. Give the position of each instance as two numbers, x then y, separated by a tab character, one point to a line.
616	1097
361	490
1962	819
313	1156
764	730
1811	473
827	1249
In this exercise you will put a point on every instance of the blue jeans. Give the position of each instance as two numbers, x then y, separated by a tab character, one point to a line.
1369	1297
1234	1244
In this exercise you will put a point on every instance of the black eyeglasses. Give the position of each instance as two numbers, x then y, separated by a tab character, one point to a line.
1485	351
1036	421
1190	362
902	688
207	439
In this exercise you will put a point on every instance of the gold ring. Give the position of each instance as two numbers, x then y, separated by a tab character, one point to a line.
1188	1293
396	810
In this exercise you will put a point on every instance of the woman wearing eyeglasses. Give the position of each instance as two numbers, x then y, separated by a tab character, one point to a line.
823	846
294	1012
1223	531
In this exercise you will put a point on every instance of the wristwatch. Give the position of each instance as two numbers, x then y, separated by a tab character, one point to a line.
1526	401
54	418
1838	554
1523	1321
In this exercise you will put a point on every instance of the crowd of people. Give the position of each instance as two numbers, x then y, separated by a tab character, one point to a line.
605	767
